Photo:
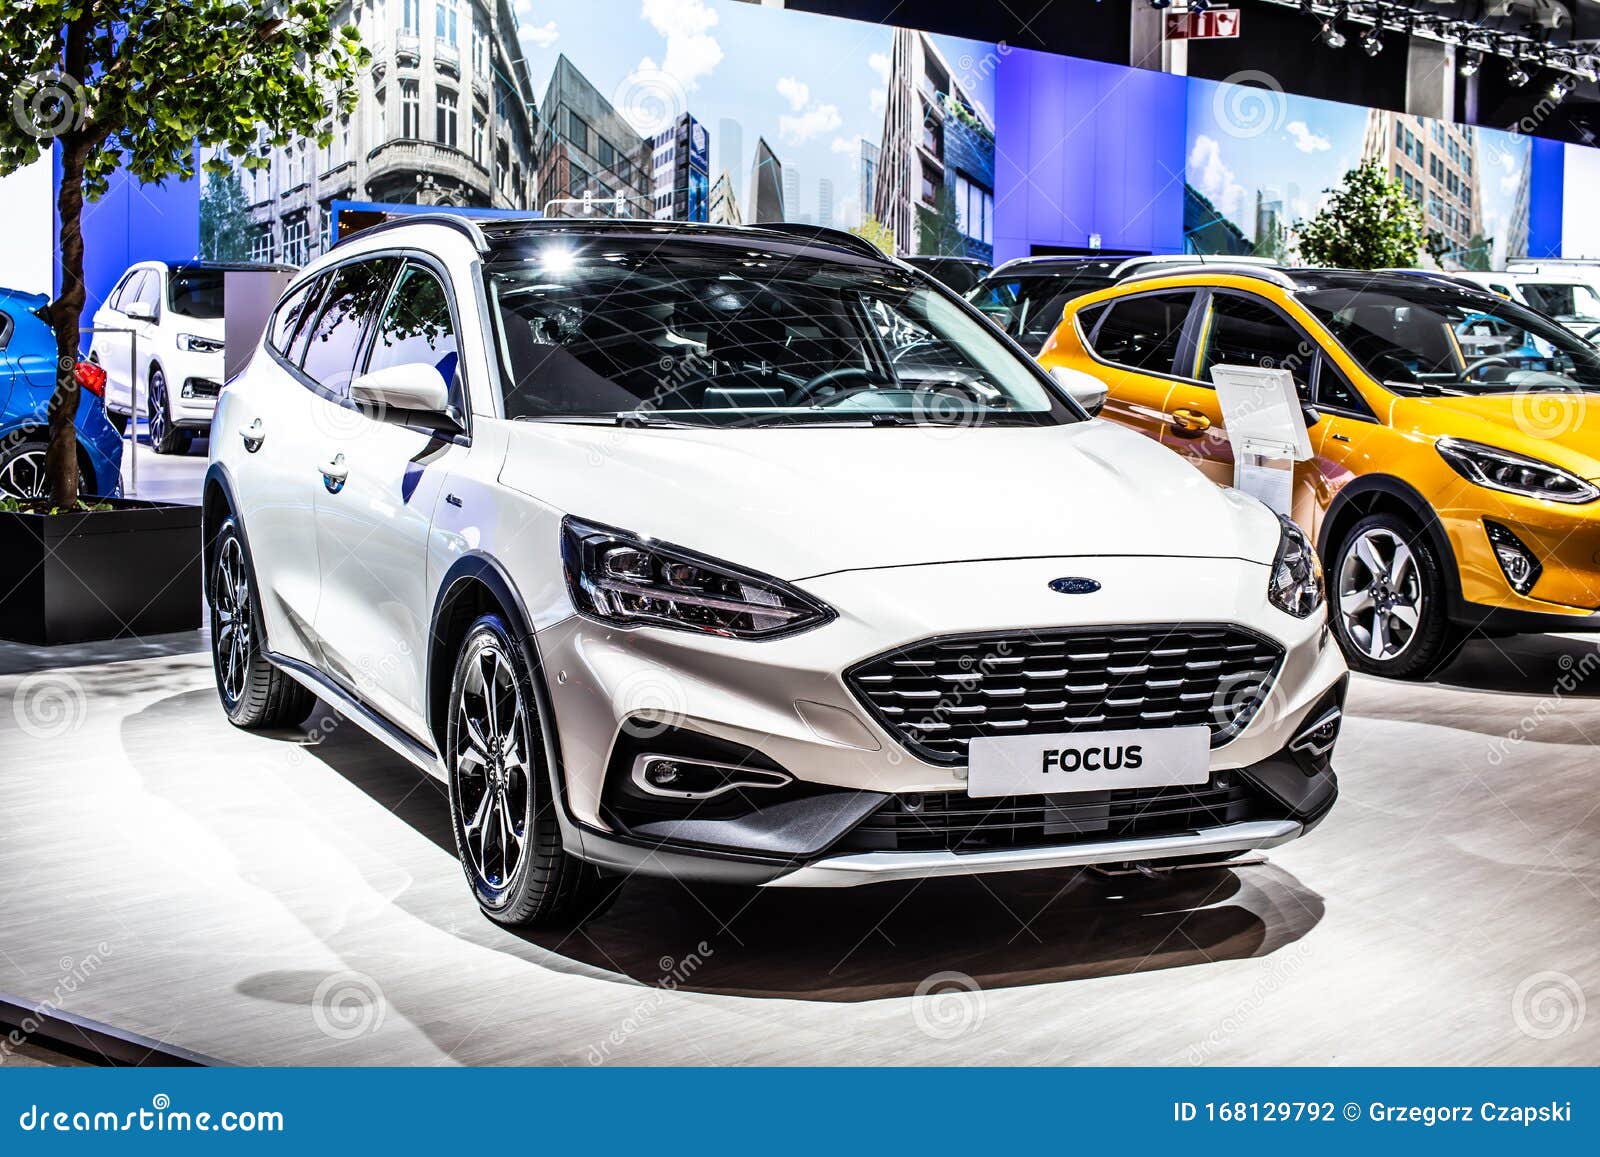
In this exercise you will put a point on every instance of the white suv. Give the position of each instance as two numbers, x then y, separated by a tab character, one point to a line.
173	371
748	555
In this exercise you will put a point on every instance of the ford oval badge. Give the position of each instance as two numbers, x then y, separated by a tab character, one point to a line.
1074	586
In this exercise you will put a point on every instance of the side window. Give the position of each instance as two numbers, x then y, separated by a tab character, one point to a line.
290	314
114	301
343	315
1089	317
1044	308
1243	331
416	328
149	291
129	293
1144	332
1335	392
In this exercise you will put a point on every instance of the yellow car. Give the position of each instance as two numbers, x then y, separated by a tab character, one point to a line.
1456	450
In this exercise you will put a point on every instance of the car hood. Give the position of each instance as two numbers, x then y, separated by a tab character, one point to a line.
796	503
1562	429
212	327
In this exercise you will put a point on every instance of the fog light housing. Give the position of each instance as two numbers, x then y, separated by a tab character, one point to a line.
1316	739
674	777
1521	568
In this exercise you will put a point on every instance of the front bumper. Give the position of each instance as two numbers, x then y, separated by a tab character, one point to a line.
784	703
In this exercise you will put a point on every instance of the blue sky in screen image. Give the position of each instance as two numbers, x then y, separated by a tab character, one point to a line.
1290	148
813	86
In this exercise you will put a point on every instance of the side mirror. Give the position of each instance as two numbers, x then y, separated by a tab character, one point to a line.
1085	389
140	311
408	386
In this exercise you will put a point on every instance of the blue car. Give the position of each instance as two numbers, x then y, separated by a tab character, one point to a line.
27	379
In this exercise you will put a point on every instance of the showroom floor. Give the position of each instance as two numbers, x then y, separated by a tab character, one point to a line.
296	899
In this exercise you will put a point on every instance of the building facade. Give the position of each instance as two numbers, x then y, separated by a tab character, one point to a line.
725	202
444	116
766	186
1437	165
586	146
868	177
934	187
680	170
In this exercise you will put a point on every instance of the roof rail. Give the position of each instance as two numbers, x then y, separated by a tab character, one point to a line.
461	224
1260	272
838	238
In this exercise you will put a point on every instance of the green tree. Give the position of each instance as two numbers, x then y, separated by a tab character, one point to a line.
1368	223
224	218
136	85
873	230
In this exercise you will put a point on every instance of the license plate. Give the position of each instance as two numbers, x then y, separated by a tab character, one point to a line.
1088	761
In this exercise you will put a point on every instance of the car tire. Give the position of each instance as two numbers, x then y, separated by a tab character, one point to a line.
502	806
22	469
255	695
165	438
1388	599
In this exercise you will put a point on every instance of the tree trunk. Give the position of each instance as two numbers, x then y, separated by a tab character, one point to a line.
66	311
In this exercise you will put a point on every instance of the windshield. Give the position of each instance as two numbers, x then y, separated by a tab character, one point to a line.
195	292
1565	300
707	334
1434	339
1029	308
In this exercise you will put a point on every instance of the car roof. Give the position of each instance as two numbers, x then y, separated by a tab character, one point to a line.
499	234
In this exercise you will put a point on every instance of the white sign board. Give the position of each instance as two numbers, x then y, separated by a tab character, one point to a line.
1265	420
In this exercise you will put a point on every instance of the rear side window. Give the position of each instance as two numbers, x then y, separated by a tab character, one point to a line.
1335	392
1243	331
416	327
1144	332
123	286
343	316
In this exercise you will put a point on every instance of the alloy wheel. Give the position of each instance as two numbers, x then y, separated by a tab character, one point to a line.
157	405
23	476
231	634
1380	594
492	778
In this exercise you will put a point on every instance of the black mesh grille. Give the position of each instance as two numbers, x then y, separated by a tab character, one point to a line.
954	821
940	694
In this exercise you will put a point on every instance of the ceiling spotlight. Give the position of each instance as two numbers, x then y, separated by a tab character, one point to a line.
1471	61
1159	4
1331	36
1560	88
1372	41
1516	75
1199	5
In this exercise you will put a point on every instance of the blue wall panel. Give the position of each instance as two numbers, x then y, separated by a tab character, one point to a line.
1546	188
1084	147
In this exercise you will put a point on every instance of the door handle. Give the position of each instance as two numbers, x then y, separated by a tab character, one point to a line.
334	474
253	435
1190	422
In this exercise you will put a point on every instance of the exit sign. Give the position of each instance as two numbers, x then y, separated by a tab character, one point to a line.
1212	24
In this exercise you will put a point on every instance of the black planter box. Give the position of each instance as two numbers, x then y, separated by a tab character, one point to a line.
74	578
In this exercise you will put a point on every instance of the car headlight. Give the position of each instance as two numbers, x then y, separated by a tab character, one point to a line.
196	344
1296	583
1514	473
633	581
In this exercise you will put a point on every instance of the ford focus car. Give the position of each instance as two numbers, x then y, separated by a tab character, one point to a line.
1455	482
751	555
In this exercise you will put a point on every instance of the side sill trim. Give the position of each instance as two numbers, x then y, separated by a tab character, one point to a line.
874	867
380	728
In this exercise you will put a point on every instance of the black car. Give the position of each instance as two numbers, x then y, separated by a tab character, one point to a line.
958	273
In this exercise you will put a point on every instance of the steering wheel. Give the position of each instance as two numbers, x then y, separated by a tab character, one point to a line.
806	392
1485	362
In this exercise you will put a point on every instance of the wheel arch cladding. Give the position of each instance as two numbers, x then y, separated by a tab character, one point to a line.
1383	494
